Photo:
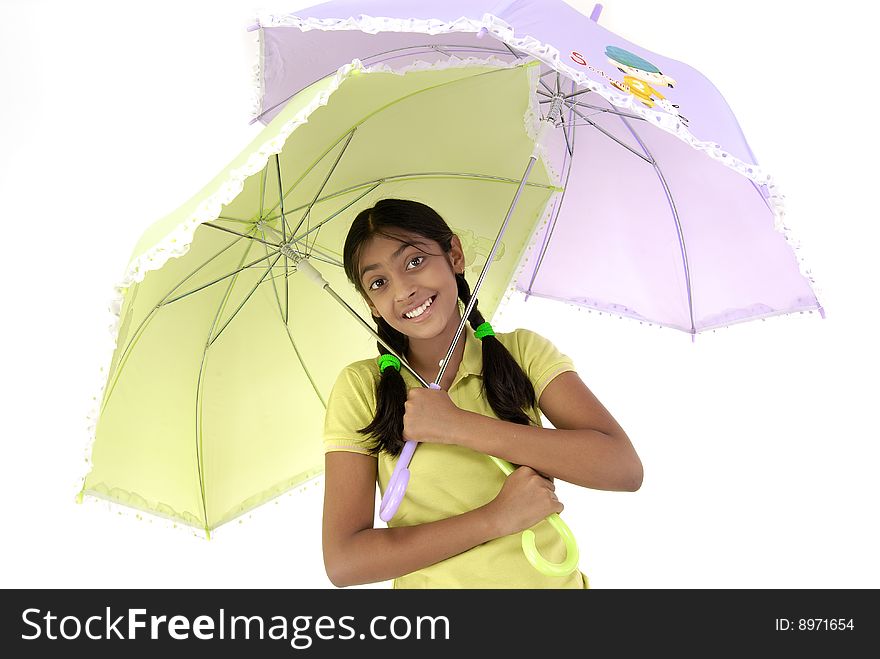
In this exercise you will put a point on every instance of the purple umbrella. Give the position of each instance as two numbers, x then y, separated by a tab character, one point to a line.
666	216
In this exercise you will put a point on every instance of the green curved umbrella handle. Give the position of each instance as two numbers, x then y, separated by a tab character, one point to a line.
534	557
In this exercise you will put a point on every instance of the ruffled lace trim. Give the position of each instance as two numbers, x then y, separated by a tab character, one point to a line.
667	120
131	506
258	88
178	241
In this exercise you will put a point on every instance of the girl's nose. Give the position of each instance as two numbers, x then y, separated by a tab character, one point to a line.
406	294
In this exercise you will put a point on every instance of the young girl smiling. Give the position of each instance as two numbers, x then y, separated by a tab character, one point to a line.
458	525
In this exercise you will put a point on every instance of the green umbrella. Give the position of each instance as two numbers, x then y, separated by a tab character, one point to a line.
226	351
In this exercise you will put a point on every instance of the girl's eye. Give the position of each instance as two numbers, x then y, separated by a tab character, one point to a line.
415	258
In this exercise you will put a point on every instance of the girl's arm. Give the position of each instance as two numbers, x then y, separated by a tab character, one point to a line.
586	446
357	553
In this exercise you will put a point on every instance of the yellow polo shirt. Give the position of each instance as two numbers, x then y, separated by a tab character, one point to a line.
448	480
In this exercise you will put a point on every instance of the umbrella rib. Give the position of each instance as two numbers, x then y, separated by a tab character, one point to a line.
348	205
331	261
306	173
236	233
234	219
280	196
326	179
610	111
609	135
283	237
327	258
341	210
429	46
512	51
565	134
216	281
273	277
672	207
577	93
285	274
596	107
263	179
415	175
558	207
143	326
284	319
199	392
440	50
243	302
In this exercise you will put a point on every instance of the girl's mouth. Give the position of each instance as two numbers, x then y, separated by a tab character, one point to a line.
424	313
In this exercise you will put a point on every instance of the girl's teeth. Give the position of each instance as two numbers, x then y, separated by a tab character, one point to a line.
415	313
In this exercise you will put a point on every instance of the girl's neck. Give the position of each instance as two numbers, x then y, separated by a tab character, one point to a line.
424	355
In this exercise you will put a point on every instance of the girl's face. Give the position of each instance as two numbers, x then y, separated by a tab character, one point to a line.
400	277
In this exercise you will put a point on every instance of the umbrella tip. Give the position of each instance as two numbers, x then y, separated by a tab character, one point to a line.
597	9
822	312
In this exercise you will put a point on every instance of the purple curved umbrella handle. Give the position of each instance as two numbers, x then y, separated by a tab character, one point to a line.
399	478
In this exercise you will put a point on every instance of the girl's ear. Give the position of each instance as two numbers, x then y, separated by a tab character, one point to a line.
456	254
373	310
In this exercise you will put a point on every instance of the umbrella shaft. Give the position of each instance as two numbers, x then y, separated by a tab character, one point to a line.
473	300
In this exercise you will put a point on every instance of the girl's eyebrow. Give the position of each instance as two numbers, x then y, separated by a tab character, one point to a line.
396	254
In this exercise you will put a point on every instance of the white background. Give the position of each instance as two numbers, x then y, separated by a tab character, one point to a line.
759	441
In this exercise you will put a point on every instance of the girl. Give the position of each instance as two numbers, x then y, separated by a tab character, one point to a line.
459	523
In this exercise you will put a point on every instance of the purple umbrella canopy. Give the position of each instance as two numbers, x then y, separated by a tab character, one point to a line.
665	215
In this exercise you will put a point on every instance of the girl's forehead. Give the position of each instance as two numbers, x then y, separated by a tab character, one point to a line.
380	244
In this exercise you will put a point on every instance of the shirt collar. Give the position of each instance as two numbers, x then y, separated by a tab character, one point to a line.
471	360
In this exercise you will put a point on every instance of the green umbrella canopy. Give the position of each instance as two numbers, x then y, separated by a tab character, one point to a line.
215	396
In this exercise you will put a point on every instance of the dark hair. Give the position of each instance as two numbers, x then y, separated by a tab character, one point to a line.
505	384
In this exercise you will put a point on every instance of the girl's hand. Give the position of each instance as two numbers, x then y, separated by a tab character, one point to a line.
524	500
430	416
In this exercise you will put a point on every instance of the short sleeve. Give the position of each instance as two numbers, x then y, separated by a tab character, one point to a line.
541	360
350	406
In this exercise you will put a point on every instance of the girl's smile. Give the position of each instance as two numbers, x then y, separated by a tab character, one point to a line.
419	313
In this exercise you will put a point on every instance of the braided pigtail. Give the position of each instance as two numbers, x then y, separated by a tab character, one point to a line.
387	426
506	386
